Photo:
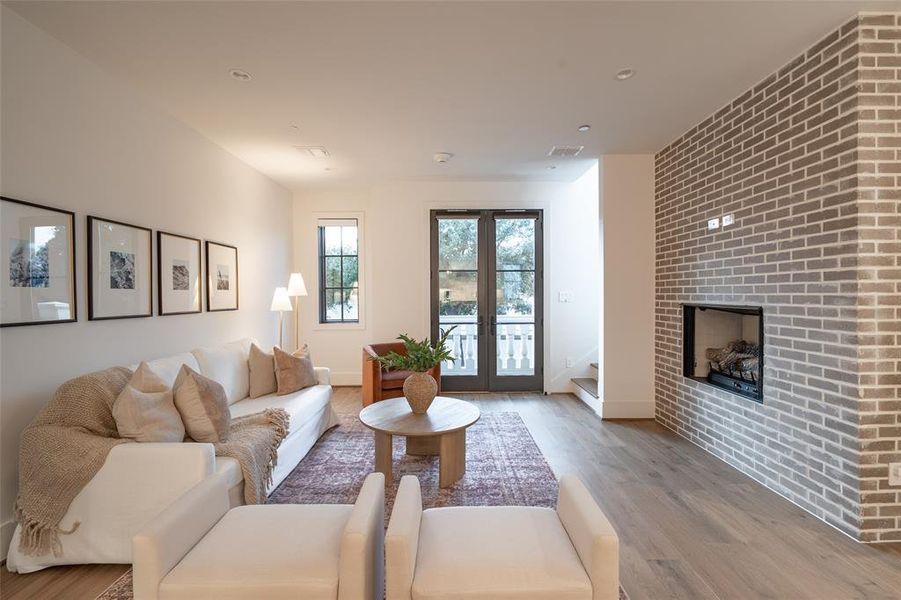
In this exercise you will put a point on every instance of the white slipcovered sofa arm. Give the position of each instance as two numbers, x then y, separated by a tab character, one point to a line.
592	535
402	539
361	573
323	375
159	546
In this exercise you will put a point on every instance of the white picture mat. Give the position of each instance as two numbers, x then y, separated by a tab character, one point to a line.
174	248
110	237
33	304
227	257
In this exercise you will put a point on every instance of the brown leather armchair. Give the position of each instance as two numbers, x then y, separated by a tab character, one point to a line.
381	384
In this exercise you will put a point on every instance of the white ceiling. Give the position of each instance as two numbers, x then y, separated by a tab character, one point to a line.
386	85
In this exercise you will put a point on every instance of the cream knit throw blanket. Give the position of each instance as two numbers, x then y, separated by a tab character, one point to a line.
67	443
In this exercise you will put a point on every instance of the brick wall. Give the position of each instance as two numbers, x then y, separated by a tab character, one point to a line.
807	161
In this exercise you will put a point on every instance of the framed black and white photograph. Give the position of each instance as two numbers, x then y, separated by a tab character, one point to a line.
120	282
38	255
178	274
222	277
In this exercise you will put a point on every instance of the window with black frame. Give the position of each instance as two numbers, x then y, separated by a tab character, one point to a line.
339	287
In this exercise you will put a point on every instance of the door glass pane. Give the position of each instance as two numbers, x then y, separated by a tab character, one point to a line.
515	294
458	294
458	244
515	349
515	244
464	344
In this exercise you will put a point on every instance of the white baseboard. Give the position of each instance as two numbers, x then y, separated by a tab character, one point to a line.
347	378
6	535
628	410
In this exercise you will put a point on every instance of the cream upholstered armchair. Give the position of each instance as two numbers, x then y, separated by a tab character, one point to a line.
493	552
198	548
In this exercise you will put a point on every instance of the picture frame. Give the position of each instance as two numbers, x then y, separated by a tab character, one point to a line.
37	250
222	277
120	278
178	268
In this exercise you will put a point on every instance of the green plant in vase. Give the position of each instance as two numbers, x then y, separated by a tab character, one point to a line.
420	356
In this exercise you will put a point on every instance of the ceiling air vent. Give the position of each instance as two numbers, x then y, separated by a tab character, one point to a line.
314	151
565	151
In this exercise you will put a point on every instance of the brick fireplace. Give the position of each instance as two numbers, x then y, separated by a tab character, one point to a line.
808	165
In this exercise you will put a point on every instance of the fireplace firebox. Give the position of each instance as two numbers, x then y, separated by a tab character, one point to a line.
723	346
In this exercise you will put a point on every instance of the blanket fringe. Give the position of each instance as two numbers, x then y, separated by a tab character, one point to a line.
280	420
38	539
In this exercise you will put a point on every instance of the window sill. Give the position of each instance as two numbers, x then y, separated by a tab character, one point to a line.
358	326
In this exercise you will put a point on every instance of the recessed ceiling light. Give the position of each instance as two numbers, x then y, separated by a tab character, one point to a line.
624	74
314	151
551	167
293	128
240	74
442	157
584	128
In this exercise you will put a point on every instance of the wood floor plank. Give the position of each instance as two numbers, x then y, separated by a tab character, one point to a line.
691	527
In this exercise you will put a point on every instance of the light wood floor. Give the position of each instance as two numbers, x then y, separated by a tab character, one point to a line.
690	526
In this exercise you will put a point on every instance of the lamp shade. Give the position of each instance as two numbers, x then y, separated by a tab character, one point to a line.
296	286
280	300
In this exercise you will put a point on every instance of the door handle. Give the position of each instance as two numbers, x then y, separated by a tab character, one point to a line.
493	325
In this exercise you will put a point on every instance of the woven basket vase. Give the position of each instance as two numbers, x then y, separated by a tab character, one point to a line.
420	390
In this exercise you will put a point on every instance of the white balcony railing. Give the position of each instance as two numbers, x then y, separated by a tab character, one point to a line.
515	346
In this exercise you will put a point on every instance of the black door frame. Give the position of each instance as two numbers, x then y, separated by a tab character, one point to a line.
487	378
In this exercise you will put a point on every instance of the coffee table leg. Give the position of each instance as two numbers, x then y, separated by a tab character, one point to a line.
383	447
423	445
453	458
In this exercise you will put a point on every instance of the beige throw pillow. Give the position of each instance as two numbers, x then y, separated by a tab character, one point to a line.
293	371
203	406
262	372
145	411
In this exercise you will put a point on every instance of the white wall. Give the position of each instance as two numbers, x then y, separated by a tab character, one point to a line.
396	264
74	139
627	329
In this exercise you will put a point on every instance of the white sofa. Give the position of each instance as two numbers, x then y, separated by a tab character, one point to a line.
198	548
139	480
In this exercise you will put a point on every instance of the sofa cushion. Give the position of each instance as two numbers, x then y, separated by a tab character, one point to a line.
262	372
497	553
300	405
167	368
296	552
202	405
145	411
227	364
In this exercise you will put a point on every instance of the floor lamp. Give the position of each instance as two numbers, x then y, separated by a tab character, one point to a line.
280	303
296	289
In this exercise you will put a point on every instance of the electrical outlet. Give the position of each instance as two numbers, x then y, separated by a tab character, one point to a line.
894	474
569	363
713	224
728	220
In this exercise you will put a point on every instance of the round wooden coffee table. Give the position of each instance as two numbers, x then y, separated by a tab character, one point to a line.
441	431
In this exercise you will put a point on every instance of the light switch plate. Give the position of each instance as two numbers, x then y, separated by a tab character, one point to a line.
565	297
713	224
728	220
894	474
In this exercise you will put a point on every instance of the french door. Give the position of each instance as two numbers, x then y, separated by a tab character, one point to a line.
486	283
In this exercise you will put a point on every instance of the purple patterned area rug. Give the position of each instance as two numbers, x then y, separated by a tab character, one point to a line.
503	467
